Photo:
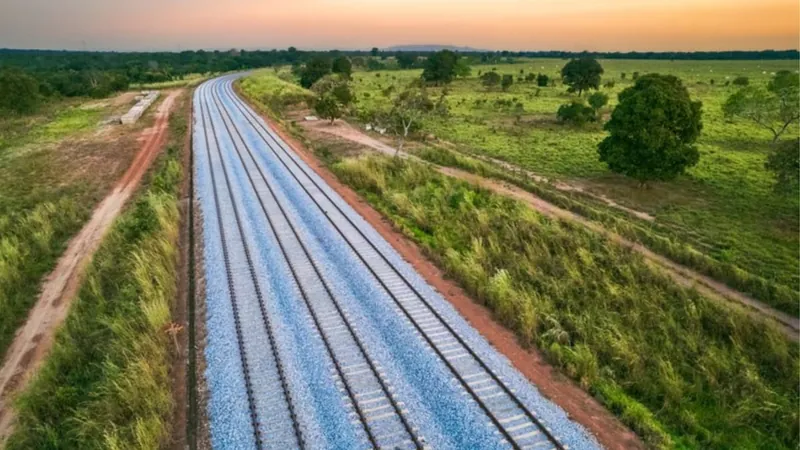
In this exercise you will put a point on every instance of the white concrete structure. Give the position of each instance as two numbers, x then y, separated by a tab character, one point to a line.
144	101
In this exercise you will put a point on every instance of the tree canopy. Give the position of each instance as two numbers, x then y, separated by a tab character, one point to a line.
19	92
408	109
314	70
582	74
440	67
491	79
652	130
773	108
784	163
333	96
342	66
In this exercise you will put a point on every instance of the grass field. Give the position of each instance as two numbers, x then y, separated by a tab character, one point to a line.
723	208
106	383
681	370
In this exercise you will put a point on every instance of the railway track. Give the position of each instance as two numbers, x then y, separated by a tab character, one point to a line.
282	429
517	426
381	417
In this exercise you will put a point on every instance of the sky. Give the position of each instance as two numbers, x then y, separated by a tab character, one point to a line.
595	25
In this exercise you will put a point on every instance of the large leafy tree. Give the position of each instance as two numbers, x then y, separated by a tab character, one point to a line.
314	70
441	67
652	130
774	108
19	92
582	74
784	163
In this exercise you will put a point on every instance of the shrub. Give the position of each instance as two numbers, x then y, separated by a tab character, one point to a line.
575	113
741	81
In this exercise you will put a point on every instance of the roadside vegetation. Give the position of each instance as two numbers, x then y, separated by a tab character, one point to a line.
723	216
106	382
681	370
46	194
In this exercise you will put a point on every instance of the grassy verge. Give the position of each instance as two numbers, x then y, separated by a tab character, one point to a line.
681	370
273	91
723	208
41	204
106	382
658	238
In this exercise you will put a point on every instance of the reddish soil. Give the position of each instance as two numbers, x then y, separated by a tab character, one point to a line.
679	273
35	338
578	404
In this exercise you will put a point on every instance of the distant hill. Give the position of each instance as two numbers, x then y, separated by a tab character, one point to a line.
432	48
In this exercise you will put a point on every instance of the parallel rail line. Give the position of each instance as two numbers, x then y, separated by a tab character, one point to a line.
232	289
519	426
382	417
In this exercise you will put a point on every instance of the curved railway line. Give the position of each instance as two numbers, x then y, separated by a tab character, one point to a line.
381	417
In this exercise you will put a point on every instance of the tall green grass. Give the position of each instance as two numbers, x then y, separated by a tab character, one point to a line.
683	371
273	93
724	207
658	238
106	383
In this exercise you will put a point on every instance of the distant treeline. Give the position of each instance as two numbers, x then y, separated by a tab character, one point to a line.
27	77
703	56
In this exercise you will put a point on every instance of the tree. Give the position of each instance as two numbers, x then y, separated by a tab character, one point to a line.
741	81
652	130
575	113
542	80
784	163
19	92
440	67
373	65
462	69
597	101
491	79
342	66
582	74
774	108
374	52
408	109
508	80
333	96
406	60
314	70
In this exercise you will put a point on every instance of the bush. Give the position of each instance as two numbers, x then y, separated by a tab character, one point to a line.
784	163
575	113
19	92
741	81
542	80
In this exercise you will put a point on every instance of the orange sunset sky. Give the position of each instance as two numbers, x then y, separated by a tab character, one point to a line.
352	24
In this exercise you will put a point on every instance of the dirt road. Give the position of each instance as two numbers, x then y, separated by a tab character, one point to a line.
34	339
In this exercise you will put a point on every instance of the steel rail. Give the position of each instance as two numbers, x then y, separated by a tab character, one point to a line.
253	120
361	348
